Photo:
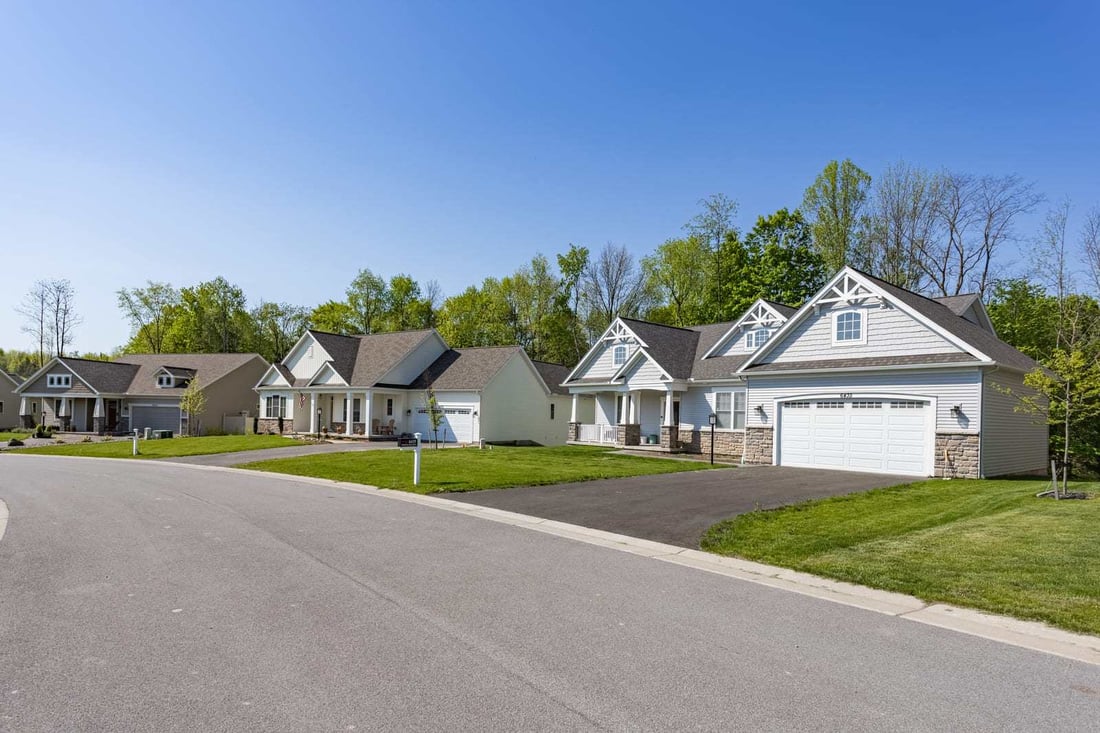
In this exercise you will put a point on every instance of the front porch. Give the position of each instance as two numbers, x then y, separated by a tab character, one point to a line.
626	419
375	415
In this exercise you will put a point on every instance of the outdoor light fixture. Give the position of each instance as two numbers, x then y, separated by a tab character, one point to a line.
760	409
713	420
957	410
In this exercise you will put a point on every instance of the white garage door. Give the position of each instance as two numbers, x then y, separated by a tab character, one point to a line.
888	436
155	418
457	424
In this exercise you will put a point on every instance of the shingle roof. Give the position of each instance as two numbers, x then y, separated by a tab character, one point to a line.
864	362
716	367
204	368
379	353
341	349
672	347
110	377
11	378
958	304
785	310
944	317
553	375
465	369
180	371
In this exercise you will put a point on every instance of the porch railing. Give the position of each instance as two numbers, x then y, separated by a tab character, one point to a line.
599	434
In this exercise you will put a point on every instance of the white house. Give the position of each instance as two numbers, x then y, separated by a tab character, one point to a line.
864	376
382	381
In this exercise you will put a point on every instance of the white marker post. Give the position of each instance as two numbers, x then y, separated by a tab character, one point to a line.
135	441
405	442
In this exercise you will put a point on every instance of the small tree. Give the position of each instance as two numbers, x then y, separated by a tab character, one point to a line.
193	402
1071	389
435	415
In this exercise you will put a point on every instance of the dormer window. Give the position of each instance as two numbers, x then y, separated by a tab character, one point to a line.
618	356
756	338
849	328
59	380
164	380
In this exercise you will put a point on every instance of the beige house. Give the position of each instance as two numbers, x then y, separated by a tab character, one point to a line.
139	391
9	401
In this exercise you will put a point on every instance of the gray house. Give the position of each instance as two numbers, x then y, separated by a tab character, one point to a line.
139	391
865	376
9	402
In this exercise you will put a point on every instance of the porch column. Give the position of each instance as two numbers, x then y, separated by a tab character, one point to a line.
634	412
349	412
313	412
61	410
367	413
573	412
668	407
23	406
98	411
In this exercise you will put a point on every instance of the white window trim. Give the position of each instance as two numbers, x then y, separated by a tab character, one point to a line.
165	380
862	340
59	380
615	360
733	411
753	338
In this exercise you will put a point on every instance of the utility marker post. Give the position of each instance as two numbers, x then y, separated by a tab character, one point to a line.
405	442
135	441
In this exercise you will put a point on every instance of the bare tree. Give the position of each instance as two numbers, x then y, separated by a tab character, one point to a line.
1090	241
35	308
712	226
999	201
614	286
63	316
902	226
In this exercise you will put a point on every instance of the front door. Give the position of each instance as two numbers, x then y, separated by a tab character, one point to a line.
676	412
112	416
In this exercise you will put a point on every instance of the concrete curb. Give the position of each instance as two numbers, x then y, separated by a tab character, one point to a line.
4	514
1007	630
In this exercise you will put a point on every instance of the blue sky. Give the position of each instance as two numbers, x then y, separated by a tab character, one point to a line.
285	146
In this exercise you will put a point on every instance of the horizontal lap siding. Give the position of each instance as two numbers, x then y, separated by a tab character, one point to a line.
697	404
890	332
1012	442
735	345
601	365
644	374
952	387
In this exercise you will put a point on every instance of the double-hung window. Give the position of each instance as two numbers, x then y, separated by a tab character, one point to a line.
848	328
276	406
756	338
730	409
618	356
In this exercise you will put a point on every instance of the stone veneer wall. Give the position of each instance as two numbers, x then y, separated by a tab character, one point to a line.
725	443
758	446
629	434
961	459
574	431
670	437
271	425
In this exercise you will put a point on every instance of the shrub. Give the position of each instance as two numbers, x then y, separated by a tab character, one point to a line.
15	443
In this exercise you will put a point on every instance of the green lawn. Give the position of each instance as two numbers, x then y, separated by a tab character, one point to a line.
5	437
169	448
469	469
989	545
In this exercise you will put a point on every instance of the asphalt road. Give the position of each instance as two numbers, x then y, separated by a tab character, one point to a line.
676	508
142	596
291	451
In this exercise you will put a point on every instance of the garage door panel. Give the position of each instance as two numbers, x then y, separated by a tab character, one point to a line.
867	434
155	418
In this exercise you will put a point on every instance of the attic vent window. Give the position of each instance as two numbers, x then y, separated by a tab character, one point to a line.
848	328
618	357
59	380
757	338
164	380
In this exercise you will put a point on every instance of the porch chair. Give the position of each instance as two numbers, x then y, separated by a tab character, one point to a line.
374	427
389	429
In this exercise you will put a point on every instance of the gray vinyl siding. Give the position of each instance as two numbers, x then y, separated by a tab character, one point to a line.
601	365
735	344
77	388
952	387
698	402
414	363
1012	442
644	374
890	332
233	394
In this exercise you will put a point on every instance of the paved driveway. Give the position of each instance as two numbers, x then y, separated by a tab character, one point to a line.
676	508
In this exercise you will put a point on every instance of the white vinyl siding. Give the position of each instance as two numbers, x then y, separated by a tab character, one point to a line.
414	364
887	332
951	386
1012	442
697	403
304	361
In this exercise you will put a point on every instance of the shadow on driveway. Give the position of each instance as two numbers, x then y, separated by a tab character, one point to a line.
676	508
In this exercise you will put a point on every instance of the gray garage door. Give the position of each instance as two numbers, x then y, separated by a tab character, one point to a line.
155	418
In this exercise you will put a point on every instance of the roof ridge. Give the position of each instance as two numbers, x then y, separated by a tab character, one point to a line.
654	323
888	284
